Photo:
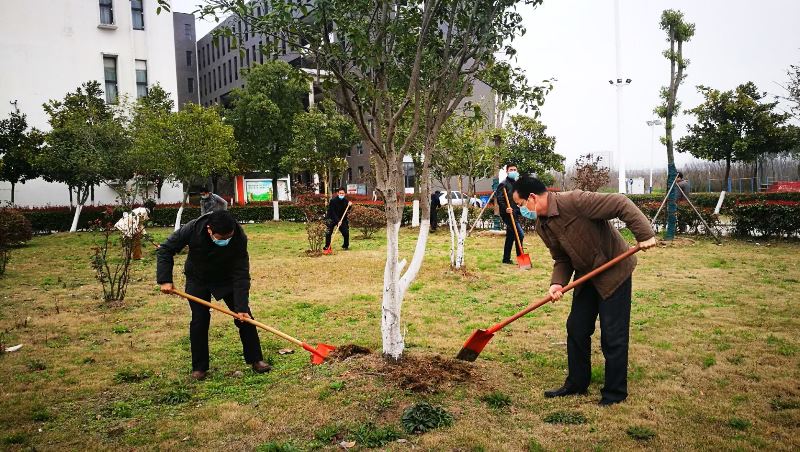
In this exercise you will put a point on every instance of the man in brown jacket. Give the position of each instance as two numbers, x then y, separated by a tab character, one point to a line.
574	226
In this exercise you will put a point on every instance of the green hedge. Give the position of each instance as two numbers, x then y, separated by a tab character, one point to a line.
709	200
776	219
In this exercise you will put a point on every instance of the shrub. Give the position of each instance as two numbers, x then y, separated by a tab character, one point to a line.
424	417
113	271
316	230
15	228
767	218
366	219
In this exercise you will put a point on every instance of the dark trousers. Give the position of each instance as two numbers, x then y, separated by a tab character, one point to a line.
615	317
510	239
434	220
201	319
344	229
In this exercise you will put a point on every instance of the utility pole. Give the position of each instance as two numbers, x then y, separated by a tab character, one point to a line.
620	83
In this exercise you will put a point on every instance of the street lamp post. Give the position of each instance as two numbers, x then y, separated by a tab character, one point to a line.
623	182
652	124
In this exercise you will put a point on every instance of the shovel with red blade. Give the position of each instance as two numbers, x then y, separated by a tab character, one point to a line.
317	354
475	344
523	259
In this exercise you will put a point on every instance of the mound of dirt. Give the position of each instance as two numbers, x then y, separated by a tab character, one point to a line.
347	351
420	373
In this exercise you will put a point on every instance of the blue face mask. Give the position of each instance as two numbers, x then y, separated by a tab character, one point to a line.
221	242
529	214
513	175
341	196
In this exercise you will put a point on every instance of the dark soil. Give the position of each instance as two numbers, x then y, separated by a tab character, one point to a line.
347	351
420	373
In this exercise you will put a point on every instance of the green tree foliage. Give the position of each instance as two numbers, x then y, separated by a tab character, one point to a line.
464	152
150	163
322	139
736	126
530	148
18	150
263	115
678	32
86	142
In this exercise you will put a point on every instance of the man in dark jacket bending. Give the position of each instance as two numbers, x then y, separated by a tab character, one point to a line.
218	264
336	208
574	226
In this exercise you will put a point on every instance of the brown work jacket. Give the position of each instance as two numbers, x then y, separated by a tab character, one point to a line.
580	237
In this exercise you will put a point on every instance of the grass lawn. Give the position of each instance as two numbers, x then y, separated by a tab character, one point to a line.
713	359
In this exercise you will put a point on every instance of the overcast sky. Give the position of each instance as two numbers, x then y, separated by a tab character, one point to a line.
573	41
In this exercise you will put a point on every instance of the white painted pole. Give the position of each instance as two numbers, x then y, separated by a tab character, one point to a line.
652	147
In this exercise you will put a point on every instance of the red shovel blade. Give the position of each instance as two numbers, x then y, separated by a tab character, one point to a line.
318	354
474	345
524	261
327	251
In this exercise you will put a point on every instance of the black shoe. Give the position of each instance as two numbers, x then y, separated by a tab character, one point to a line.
508	262
563	391
345	248
609	402
199	375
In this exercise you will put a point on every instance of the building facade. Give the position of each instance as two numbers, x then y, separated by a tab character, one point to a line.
185	59
49	48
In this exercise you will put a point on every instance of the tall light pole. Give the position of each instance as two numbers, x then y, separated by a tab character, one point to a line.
623	182
652	124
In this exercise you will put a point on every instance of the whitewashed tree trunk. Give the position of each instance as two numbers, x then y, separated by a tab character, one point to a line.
451	223
74	226
180	210
462	236
275	211
415	214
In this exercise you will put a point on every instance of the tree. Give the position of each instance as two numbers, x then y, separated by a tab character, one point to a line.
530	148
589	175
386	59
150	163
263	115
736	126
198	144
678	32
464	153
18	150
322	139
85	144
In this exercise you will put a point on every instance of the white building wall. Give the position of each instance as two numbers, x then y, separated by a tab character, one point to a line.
48	48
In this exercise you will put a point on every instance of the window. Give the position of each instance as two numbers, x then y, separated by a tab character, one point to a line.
230	71
214	76
137	10
190	82
110	71
254	54
261	53
247	53
188	57
202	86
409	175
141	78
213	57
187	31
361	173
349	175
236	68
360	147
106	12
283	45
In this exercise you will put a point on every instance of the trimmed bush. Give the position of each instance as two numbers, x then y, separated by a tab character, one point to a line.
368	220
767	218
15	228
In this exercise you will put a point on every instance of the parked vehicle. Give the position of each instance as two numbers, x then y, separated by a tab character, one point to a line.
457	199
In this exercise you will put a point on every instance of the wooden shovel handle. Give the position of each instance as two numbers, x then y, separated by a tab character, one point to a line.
513	223
237	316
567	288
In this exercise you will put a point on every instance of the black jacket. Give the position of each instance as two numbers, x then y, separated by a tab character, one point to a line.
336	208
508	184
435	201
219	267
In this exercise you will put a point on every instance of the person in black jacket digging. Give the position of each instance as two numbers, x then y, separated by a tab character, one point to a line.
507	210
336	207
218	264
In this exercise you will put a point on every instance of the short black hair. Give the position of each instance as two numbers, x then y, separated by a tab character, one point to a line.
680	174
527	185
341	189
221	222
511	164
